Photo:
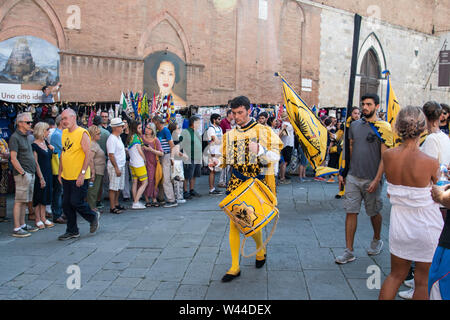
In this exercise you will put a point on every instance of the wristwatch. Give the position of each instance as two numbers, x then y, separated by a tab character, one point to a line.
23	173
83	171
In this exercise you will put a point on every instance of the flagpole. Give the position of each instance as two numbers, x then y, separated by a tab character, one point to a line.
351	91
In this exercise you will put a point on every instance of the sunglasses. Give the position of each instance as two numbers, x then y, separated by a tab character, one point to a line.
371	138
27	122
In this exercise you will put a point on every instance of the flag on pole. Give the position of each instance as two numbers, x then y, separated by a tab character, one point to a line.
123	102
392	107
311	132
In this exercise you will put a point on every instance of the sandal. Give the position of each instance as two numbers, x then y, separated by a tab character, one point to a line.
49	224
148	204
4	219
115	211
40	225
155	204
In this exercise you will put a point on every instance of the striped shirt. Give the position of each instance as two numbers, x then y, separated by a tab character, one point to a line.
164	137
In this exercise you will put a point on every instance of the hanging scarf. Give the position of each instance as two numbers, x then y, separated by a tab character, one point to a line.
135	139
383	131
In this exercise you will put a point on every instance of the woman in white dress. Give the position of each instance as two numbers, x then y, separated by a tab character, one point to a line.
436	145
416	222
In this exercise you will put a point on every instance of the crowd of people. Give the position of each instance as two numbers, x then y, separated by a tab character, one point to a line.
61	169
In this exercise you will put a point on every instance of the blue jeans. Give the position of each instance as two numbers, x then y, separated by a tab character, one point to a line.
74	200
57	199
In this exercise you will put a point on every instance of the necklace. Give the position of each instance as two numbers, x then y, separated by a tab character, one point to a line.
42	145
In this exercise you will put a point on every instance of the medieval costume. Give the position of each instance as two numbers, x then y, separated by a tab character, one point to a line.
245	165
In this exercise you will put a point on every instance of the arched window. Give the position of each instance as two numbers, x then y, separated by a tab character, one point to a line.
370	73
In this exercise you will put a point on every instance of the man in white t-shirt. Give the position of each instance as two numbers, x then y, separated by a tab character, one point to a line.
116	164
287	136
214	137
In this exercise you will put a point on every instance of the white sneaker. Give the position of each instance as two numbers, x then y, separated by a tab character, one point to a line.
375	247
407	294
138	206
409	283
181	201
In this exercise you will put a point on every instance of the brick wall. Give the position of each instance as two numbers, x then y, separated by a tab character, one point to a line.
228	52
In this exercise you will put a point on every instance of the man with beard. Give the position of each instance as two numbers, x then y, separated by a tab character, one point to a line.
369	137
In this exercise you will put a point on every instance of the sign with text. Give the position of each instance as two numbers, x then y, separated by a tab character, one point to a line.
14	93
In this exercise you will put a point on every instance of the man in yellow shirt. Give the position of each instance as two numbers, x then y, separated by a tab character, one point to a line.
74	175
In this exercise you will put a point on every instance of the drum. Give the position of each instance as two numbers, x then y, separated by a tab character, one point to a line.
251	206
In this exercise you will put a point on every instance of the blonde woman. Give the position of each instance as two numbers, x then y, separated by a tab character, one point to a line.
42	195
97	164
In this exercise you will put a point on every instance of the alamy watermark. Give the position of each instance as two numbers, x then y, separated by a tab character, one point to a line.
74	280
74	20
374	280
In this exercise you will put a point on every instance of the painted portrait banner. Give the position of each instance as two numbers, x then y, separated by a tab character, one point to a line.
164	74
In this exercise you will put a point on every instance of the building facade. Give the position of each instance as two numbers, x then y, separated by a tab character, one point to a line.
218	49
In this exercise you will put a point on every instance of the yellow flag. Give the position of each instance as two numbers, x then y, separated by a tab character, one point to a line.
393	108
310	131
326	171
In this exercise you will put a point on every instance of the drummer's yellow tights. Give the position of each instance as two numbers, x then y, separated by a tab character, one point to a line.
234	236
235	246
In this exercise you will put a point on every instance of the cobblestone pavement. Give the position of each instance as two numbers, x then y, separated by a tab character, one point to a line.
182	253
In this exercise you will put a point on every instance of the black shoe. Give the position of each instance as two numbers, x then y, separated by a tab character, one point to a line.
121	208
187	195
215	191
260	263
337	196
95	223
126	200
68	235
194	193
230	277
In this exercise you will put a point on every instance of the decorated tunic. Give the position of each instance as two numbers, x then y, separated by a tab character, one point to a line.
245	164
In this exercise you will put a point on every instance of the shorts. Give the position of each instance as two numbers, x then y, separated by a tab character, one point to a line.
302	158
192	171
356	191
139	173
287	154
24	187
116	183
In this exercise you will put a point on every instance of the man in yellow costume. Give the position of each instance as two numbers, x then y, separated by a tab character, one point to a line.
251	150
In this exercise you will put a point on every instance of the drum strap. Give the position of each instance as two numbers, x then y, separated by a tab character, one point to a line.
244	178
265	242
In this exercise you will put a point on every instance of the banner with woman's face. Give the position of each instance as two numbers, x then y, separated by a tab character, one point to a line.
165	73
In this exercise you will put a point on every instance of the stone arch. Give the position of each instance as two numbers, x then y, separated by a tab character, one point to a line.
372	43
165	18
59	39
